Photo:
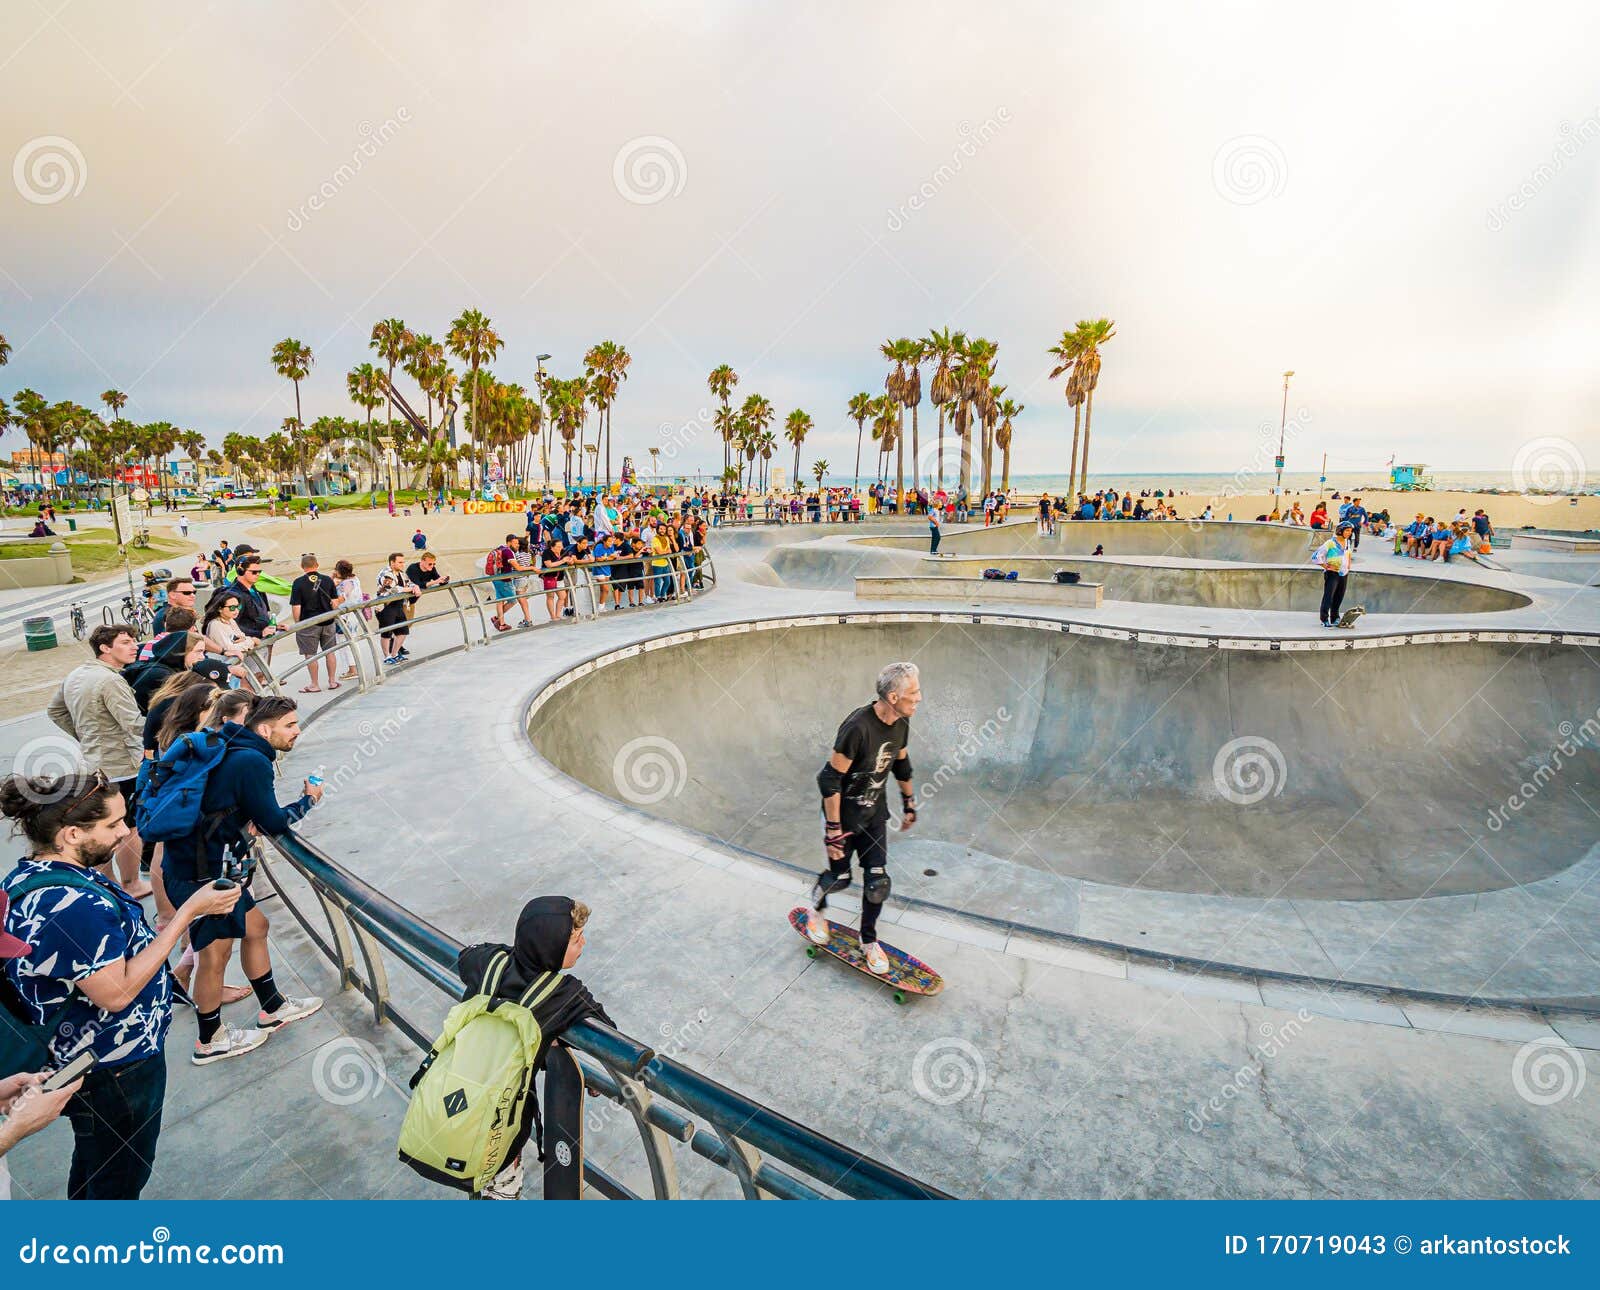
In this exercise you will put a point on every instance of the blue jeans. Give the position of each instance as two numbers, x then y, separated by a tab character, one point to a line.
116	1121
663	587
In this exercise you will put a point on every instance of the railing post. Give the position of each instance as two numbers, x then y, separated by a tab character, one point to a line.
745	1162
657	1145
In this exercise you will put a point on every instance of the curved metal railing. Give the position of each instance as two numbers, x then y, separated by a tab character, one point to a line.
472	603
670	1103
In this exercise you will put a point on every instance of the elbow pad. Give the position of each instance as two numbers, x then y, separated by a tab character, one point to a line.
829	780
902	768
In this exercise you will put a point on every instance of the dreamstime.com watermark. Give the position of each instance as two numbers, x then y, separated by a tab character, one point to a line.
372	740
1547	469
159	1249
948	1070
1263	459
677	1042
372	139
1571	138
49	765
1249	169
972	740
1275	1039
49	169
347	1071
1548	1071
649	769
673	439
1573	740
649	169
971	140
1248	770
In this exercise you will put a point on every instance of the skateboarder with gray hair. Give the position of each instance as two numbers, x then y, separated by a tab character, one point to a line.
871	742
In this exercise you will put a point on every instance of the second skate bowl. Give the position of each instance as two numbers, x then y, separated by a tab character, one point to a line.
1380	774
1180	539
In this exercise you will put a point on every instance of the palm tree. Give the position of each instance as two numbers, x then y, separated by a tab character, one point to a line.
193	444
1002	436
860	410
721	382
726	420
1068	352
885	428
757	414
474	341
423	360
818	470
907	355
608	364
796	427
1090	335
5	351
292	361
393	341
972	375
365	386
941	347
767	442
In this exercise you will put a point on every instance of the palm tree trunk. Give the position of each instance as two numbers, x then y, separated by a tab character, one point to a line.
966	455
941	445
475	410
1005	468
900	463
1088	416
795	484
915	454
988	458
860	427
1072	469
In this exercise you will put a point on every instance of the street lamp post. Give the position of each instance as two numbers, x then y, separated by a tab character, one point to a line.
544	456
1283	424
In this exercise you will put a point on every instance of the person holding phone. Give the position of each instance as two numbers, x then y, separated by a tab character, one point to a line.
95	978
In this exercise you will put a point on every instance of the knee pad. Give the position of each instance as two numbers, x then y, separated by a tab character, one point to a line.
875	885
828	882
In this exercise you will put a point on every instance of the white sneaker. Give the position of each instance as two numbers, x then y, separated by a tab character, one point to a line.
877	960
507	1184
291	1009
229	1041
817	929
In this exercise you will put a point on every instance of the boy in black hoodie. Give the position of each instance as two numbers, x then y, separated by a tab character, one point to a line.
549	939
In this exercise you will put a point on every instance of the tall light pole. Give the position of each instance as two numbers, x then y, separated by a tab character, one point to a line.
544	434
1283	424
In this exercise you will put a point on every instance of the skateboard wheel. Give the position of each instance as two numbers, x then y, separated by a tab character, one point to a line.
899	996
811	951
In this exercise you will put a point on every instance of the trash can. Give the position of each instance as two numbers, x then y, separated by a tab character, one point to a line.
222	508
72	525
39	633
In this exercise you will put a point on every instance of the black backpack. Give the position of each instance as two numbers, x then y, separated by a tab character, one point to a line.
1067	575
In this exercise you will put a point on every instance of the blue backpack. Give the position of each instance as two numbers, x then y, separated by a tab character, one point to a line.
171	787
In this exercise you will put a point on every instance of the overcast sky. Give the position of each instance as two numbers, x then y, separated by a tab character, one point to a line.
1397	201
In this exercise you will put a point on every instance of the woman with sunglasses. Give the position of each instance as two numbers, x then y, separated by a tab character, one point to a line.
226	637
95	978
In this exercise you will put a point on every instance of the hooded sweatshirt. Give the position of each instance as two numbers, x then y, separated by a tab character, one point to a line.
543	932
166	658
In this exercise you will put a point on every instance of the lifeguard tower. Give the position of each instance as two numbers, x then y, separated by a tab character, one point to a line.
1410	479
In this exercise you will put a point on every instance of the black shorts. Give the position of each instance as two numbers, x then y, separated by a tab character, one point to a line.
129	788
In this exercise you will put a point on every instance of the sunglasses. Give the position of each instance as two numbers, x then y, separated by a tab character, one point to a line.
98	783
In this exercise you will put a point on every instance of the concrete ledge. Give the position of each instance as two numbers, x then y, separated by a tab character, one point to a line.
53	570
1553	542
1023	591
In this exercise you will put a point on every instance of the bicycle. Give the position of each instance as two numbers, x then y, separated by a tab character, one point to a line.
135	614
80	626
141	537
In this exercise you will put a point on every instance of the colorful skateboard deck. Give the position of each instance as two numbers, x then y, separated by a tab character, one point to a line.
907	975
1348	618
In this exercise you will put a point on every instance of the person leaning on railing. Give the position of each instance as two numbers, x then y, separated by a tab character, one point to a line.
549	939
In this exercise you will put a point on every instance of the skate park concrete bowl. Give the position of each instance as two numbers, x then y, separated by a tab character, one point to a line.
1257	543
1323	774
1297	589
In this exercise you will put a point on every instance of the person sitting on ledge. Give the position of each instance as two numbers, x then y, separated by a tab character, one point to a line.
549	939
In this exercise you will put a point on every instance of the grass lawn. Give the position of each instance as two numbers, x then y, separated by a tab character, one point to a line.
96	553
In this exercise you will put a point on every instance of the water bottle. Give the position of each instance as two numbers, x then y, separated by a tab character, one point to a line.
315	777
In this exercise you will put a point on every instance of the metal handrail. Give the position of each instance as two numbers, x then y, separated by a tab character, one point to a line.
738	1130
471	601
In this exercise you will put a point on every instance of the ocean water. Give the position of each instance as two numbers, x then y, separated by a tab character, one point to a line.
1252	483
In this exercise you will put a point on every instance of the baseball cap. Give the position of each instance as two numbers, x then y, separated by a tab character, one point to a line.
214	670
10	946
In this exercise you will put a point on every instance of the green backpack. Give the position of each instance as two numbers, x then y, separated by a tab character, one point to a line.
469	1094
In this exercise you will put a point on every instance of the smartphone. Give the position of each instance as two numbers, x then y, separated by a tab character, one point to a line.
79	1066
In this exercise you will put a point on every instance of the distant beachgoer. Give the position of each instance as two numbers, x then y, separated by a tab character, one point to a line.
183	525
1335	556
933	532
1099	549
1319	516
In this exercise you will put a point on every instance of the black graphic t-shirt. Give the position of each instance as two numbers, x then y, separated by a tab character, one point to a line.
872	748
